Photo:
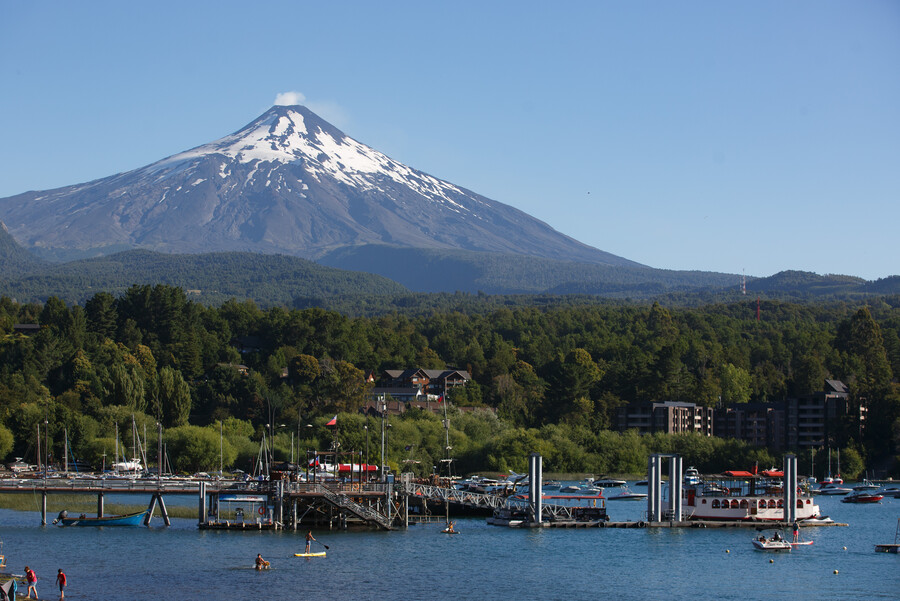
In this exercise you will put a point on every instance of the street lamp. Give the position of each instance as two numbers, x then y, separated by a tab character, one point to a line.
383	419
366	428
46	446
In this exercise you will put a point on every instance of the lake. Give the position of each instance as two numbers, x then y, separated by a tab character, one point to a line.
482	562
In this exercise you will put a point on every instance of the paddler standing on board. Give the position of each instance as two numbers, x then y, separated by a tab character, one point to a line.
309	539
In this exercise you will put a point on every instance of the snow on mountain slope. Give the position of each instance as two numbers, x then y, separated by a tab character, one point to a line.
289	182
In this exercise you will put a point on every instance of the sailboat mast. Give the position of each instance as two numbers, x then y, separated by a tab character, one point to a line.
116	462
66	451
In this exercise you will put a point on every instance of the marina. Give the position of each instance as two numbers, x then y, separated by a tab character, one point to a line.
140	563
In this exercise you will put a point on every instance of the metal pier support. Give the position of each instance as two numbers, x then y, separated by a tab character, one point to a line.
535	486
44	508
154	501
790	487
655	487
99	504
201	503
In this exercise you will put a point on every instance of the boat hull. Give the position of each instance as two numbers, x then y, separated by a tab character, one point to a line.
132	519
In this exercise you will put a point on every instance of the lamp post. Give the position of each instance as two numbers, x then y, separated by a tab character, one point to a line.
383	429
366	428
46	446
159	457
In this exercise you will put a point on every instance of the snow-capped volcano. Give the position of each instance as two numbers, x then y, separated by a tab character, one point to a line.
289	182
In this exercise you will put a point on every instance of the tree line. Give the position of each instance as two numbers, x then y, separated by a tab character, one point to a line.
548	378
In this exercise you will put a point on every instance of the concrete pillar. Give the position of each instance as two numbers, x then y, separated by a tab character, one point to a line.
201	503
789	481
44	508
538	483
99	504
676	482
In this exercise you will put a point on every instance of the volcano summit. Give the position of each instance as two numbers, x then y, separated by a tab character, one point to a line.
289	182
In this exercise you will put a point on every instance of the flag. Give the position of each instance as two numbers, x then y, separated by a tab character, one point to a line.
314	462
333	421
440	399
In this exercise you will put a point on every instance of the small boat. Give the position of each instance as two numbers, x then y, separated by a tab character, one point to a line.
641	483
824	519
570	488
448	531
607	482
866	485
691	476
775	543
830	488
891	491
131	519
862	497
888	547
317	554
627	495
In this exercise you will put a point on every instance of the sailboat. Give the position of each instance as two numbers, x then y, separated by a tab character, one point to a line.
831	486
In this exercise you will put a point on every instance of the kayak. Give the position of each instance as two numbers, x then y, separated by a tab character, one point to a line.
447	531
319	554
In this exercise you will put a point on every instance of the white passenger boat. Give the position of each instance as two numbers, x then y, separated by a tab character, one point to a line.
743	496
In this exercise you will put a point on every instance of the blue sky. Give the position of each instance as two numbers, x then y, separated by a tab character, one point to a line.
720	136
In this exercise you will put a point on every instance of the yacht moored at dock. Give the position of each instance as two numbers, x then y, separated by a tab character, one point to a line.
743	496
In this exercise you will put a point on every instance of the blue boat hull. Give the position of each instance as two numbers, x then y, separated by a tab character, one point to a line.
132	519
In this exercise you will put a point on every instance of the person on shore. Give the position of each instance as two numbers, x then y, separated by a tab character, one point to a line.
261	564
61	582
31	579
309	539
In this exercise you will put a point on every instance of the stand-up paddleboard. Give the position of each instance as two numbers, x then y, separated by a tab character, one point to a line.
319	554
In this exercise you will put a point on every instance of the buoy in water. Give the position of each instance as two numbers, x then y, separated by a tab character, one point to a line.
835	571
771	561
728	550
845	548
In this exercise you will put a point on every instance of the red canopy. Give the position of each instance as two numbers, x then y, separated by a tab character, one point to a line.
739	474
357	467
773	474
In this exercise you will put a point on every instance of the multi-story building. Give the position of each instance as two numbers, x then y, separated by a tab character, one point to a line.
760	424
668	416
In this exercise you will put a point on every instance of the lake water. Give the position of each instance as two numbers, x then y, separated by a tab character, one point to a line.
482	562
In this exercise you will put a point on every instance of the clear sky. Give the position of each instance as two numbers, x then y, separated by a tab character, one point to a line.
722	136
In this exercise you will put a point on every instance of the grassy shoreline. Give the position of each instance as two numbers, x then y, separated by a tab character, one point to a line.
86	504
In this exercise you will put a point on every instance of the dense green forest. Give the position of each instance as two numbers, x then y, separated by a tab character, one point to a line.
548	378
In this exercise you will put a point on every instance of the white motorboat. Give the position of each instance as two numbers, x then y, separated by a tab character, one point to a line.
627	495
866	485
831	488
606	482
774	543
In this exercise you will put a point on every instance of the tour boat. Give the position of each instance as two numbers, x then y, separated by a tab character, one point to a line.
743	496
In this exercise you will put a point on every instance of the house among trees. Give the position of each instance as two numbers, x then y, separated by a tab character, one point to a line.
432	383
404	389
